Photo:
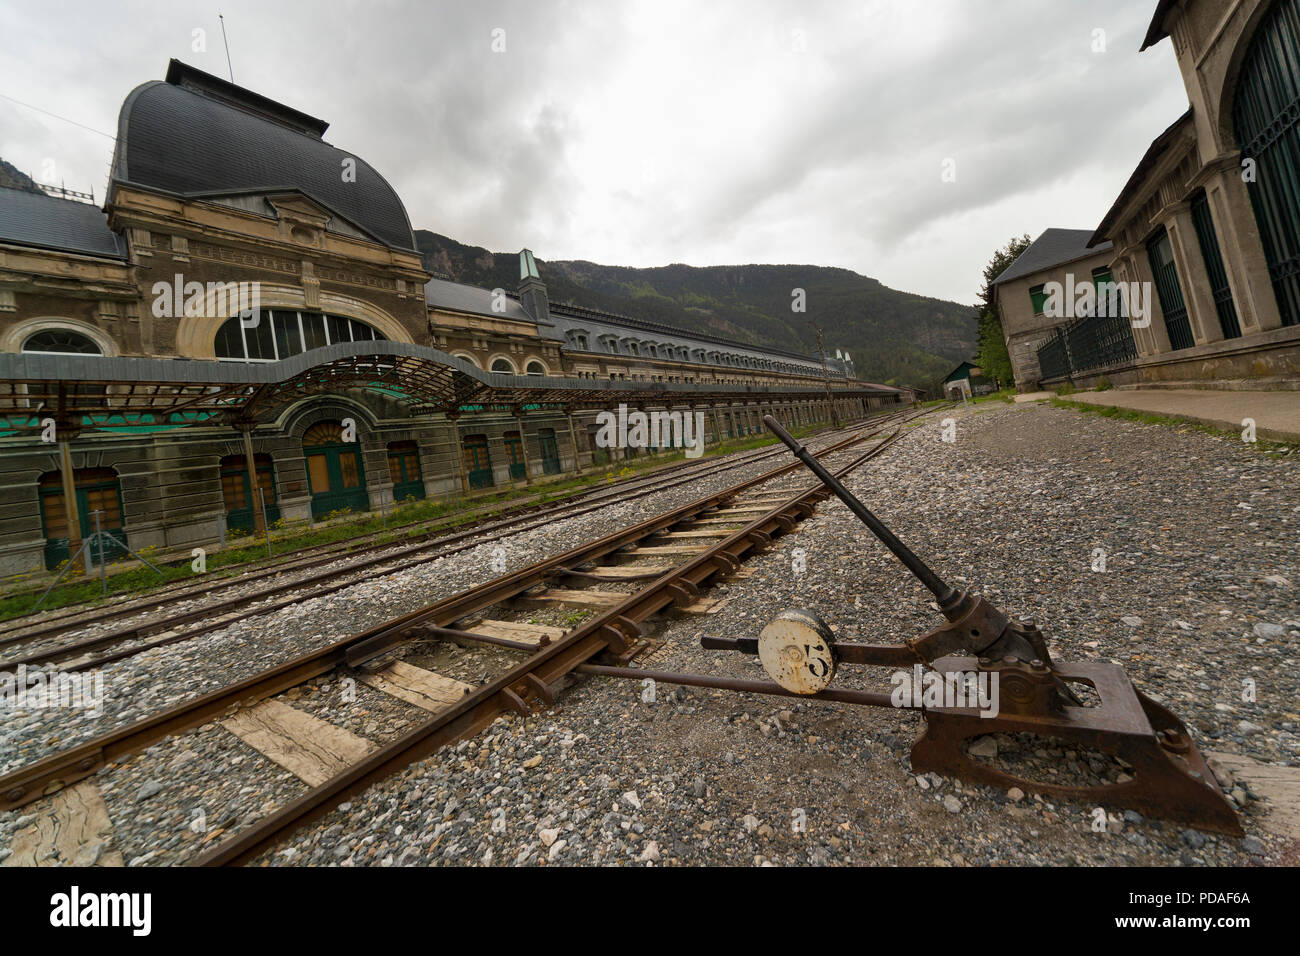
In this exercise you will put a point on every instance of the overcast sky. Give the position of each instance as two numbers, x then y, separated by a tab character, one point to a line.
645	133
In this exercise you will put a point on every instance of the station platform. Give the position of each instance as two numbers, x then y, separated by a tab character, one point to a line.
1276	413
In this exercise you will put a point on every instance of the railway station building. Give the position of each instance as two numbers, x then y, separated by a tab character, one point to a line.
1209	222
139	384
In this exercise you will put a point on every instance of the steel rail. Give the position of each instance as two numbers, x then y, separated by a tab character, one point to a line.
531	679
527	518
443	547
56	771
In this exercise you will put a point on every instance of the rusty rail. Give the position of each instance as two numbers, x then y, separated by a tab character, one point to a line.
58	770
614	629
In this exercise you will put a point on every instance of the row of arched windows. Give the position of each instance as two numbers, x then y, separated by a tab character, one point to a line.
641	348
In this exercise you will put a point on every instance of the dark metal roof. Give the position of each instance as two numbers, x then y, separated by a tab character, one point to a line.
35	219
197	136
178	392
1149	159
458	297
1053	248
1156	30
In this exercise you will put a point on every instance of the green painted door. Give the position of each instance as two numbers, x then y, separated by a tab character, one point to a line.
515	455
550	451
235	489
335	475
1266	114
96	489
404	470
478	462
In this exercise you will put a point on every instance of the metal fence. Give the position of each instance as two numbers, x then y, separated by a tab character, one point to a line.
1089	342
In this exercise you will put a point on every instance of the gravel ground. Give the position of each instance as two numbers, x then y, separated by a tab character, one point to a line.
1197	595
139	686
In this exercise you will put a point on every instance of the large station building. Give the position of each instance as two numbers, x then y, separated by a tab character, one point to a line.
1209	222
137	386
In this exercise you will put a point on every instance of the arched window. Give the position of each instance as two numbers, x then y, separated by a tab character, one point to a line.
62	342
503	365
281	333
535	368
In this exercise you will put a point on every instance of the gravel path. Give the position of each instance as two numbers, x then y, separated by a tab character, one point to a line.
1198	594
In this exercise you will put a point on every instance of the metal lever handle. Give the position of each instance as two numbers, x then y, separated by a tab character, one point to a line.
950	601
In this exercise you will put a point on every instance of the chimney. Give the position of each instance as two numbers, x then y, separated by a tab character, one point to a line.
532	290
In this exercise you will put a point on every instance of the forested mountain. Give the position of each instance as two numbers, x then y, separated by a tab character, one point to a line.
894	337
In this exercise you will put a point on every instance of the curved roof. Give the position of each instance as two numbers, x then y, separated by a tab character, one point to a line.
197	136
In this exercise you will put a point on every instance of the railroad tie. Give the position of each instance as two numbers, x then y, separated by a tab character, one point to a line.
668	549
588	598
623	571
311	749
71	829
513	631
415	685
1279	787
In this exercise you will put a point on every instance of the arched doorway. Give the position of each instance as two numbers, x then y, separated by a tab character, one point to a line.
404	470
1267	123
335	475
240	500
97	489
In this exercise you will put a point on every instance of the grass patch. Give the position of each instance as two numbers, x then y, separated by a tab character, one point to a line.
1268	447
405	521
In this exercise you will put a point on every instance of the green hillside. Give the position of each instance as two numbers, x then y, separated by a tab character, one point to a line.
894	337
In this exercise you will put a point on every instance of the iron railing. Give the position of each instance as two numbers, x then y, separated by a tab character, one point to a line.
1089	342
1266	114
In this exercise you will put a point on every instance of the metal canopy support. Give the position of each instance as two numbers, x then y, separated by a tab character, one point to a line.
259	515
573	437
523	444
70	512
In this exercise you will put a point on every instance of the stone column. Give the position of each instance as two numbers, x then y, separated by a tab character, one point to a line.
1192	274
1242	248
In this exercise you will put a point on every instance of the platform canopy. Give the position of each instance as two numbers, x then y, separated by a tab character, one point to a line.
100	393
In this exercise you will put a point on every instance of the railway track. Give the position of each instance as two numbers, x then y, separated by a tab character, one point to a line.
48	644
623	581
32	626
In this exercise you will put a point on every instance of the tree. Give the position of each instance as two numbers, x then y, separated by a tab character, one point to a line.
993	357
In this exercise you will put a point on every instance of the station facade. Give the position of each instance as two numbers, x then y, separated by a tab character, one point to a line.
216	190
1209	222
